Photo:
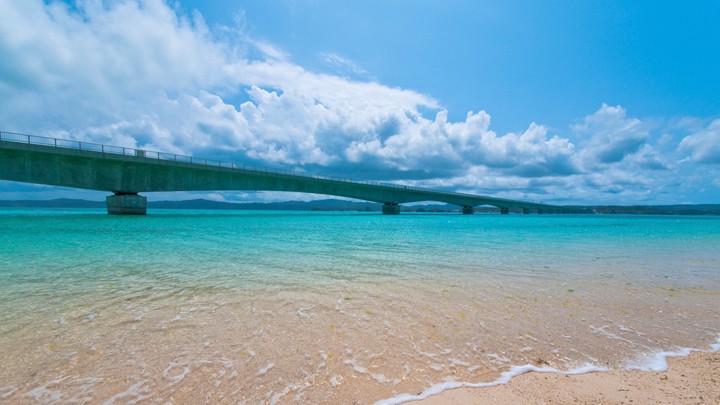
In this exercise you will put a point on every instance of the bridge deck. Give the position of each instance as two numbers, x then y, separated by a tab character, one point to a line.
128	171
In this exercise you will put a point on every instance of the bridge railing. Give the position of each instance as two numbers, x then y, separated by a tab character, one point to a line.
146	154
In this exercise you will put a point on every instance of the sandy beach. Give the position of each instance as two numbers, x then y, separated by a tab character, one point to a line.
689	380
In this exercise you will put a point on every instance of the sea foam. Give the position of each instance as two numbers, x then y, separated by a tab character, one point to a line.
656	362
504	379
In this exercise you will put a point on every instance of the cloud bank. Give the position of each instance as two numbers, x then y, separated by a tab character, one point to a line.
148	75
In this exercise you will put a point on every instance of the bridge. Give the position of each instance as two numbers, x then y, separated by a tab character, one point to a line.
126	172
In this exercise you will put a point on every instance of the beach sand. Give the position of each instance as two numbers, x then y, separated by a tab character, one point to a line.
689	380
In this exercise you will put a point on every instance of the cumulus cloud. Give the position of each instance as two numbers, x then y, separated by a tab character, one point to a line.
140	73
610	136
97	64
704	145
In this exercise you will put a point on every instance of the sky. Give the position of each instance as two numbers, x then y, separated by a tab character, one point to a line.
610	102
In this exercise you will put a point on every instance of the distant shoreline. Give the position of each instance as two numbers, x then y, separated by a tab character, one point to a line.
345	205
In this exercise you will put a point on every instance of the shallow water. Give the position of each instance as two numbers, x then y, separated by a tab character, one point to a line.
282	307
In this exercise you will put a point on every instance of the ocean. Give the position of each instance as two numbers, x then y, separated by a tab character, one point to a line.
189	306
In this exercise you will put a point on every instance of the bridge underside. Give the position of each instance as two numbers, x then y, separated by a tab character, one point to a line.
127	175
135	204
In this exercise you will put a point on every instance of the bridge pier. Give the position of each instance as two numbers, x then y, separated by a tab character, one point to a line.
467	210
126	204
390	209
504	210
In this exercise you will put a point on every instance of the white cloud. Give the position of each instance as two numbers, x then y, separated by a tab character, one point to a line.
609	136
704	145
107	63
343	64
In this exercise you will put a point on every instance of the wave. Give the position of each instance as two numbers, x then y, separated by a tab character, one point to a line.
656	362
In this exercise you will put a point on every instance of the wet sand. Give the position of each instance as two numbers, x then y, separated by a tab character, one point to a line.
689	380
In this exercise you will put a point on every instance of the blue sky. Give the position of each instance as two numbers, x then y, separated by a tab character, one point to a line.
571	102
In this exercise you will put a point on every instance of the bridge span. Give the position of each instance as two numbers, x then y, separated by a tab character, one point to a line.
126	172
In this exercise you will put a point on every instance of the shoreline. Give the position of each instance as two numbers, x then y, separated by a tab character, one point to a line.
691	379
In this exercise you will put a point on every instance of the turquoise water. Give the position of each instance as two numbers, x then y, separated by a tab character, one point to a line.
296	305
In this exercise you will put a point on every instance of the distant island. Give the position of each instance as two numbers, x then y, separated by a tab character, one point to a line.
345	205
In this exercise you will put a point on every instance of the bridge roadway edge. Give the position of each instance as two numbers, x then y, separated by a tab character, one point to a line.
126	176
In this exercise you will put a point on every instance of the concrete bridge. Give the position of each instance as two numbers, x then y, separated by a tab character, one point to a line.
126	172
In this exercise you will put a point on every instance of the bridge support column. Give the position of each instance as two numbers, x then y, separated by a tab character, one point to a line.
126	204
390	209
468	210
504	210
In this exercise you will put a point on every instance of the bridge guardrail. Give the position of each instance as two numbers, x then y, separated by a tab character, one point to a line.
147	154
